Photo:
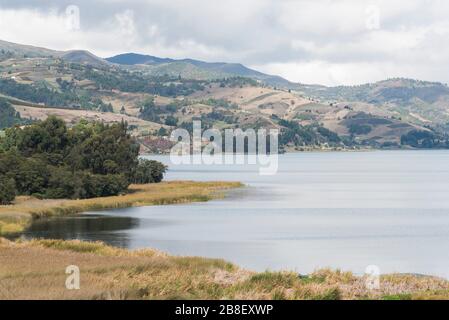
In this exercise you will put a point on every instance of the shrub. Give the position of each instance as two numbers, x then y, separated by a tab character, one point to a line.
149	171
96	185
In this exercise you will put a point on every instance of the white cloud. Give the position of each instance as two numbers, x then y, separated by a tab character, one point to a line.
334	74
305	40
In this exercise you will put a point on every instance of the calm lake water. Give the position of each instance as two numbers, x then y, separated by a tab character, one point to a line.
338	210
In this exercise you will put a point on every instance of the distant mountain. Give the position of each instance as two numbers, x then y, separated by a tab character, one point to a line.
134	58
187	68
207	70
84	57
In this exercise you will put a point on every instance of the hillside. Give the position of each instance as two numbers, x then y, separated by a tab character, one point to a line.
14	49
134	58
84	57
155	95
419	102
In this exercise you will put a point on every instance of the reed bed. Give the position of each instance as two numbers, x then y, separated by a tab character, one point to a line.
36	270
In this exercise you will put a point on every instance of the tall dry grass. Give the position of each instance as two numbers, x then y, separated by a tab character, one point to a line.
36	270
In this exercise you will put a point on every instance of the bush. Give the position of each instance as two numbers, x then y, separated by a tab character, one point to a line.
95	185
149	171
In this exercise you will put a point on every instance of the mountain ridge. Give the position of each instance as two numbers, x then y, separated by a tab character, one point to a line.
130	59
219	68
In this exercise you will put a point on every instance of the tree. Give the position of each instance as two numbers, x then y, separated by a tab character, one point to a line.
359	129
171	121
7	190
149	171
32	176
8	116
162	132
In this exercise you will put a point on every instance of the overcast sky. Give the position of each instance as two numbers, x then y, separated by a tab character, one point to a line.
308	41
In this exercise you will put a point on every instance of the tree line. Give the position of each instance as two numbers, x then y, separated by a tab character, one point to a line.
69	96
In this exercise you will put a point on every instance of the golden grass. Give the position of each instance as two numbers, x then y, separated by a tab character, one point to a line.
15	218
36	270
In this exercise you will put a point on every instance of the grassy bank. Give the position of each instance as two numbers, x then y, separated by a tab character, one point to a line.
36	270
15	218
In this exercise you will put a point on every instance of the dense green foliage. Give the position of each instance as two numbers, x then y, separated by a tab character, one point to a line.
309	135
7	190
424	139
236	81
151	112
358	129
136	82
41	93
8	115
220	103
149	171
49	160
37	94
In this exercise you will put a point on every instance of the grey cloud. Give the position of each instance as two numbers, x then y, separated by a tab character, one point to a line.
264	32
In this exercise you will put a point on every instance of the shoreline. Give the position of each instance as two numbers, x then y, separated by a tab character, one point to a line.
325	151
17	217
112	273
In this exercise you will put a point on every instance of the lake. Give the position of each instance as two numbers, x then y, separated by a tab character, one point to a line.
344	210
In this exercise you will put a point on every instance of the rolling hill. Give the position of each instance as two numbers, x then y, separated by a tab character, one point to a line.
416	101
155	95
134	58
15	50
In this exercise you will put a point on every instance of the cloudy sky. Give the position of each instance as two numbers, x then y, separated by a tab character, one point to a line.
308	41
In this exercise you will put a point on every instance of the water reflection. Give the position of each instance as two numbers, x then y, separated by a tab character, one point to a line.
111	230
